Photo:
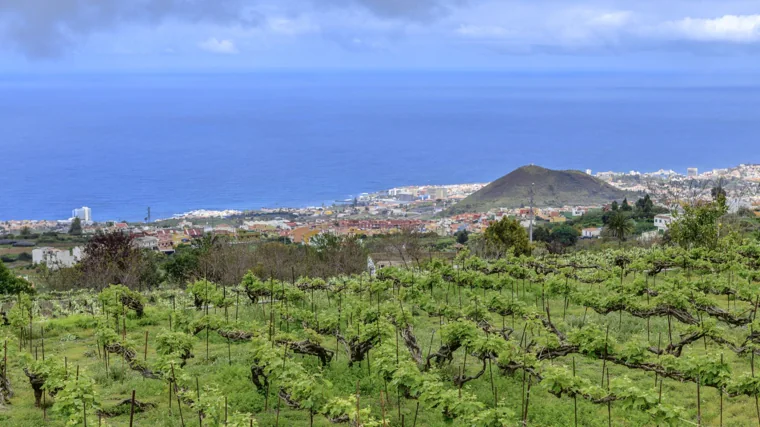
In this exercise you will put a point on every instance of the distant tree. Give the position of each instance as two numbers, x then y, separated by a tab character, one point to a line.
113	258
625	206
76	227
10	284
507	234
644	206
407	244
614	205
541	234
565	235
462	236
699	224
620	226
718	192
26	231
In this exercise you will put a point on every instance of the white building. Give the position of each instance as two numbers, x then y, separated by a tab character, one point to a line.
440	193
55	258
663	221
578	211
692	172
146	242
591	233
84	213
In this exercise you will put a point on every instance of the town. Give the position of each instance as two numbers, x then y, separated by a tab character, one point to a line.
419	208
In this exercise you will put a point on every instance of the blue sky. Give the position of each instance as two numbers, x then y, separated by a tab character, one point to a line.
116	35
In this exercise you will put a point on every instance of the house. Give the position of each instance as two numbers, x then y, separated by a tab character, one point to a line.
224	229
557	219
304	234
662	221
146	242
56	258
591	233
194	233
578	211
166	246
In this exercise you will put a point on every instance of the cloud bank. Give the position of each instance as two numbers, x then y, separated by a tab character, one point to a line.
44	29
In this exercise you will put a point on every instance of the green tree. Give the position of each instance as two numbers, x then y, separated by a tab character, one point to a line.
542	234
26	231
76	227
699	224
625	206
10	284
462	237
620	226
614	205
644	207
508	234
718	192
565	235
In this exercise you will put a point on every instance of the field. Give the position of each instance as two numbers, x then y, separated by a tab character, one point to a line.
628	337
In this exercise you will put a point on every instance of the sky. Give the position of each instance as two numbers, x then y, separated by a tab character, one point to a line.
177	35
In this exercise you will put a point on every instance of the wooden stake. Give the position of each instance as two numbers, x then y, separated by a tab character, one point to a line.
132	409
198	391
575	397
179	402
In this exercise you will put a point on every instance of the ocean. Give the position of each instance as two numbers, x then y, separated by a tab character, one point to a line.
120	143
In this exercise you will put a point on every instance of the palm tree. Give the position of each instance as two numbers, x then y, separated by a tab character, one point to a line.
620	225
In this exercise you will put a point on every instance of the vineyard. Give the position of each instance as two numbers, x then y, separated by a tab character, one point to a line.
635	337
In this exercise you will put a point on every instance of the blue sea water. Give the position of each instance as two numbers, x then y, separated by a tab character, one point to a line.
119	143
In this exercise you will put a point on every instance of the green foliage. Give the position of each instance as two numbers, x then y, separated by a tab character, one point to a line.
508	235
174	343
620	225
205	292
10	284
114	299
699	224
76	227
76	398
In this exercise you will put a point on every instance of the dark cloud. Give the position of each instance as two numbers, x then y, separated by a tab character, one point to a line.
405	9
45	28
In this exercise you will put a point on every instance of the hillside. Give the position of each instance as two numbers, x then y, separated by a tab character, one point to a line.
552	188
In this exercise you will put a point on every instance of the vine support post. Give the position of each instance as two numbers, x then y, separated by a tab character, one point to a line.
575	397
145	349
179	402
604	362
720	392
699	403
752	365
132	409
198	391
609	402
527	403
